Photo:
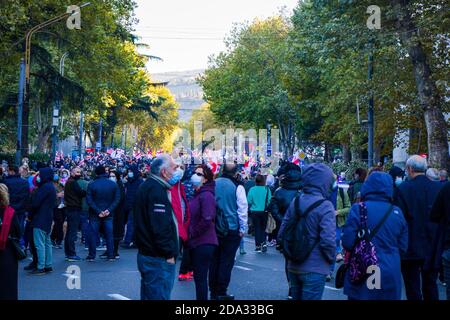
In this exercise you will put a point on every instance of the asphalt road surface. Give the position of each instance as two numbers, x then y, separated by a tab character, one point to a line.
256	276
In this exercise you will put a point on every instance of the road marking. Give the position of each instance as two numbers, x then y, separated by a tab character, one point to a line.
331	288
243	268
117	296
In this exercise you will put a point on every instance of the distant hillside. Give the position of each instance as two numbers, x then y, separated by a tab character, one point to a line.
183	86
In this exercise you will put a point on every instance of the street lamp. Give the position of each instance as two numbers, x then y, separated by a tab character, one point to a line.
24	84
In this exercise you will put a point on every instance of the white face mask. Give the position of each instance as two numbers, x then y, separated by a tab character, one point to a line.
113	179
398	181
196	180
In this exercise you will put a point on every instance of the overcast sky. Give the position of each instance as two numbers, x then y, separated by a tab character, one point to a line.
185	32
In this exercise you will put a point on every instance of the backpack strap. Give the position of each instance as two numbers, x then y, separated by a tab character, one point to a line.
309	209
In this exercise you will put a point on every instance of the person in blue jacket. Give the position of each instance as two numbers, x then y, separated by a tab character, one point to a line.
103	197
42	205
390	241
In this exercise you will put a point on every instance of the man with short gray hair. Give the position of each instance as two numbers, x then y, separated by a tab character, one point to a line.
415	198
156	231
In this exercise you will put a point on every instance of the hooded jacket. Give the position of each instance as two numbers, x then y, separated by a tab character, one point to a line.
390	241
43	201
202	229
289	188
131	188
320	223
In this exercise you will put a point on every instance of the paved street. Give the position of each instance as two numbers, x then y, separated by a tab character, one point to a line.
255	277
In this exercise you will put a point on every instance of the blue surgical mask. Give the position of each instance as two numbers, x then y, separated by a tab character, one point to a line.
38	179
130	175
55	177
177	175
398	181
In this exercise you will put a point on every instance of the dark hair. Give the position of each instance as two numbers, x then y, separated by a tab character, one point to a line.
100	170
260	180
14	168
375	169
362	173
207	172
230	169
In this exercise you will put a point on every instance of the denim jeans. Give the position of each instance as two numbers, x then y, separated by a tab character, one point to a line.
222	264
73	221
43	245
129	236
307	286
446	264
157	277
94	223
201	260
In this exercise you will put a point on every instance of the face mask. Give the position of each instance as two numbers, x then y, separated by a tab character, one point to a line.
398	181
38	179
196	180
113	179
130	175
55	177
64	175
177	175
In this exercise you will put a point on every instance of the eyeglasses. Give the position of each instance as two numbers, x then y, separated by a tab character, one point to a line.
199	174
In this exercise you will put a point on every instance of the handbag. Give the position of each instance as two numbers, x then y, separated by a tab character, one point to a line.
363	251
271	223
20	253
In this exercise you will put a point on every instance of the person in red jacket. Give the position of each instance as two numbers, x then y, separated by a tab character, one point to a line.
181	209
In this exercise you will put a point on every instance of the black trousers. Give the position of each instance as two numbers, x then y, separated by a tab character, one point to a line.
32	247
260	223
73	222
201	260
413	272
222	264
57	234
186	260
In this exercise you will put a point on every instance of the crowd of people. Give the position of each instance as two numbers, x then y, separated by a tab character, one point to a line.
172	211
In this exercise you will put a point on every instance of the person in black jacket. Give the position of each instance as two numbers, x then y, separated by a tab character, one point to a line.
19	194
415	198
42	205
156	231
290	184
73	196
440	213
103	197
8	259
134	180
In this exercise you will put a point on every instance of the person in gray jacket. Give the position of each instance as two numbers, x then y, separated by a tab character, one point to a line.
307	279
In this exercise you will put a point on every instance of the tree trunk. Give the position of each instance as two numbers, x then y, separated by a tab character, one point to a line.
346	152
429	97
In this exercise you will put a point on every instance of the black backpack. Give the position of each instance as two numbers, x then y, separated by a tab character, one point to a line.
295	243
